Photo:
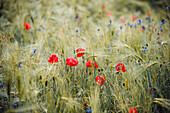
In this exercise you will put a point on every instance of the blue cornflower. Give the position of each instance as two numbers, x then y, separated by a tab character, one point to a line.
145	49
167	8
116	38
163	21
77	31
148	18
110	21
88	111
39	29
2	85
160	42
121	27
143	28
161	30
19	64
34	51
76	17
139	22
16	104
131	25
137	10
98	29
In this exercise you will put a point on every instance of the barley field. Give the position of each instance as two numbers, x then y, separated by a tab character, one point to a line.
84	56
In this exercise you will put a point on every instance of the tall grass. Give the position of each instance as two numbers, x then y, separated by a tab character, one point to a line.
43	87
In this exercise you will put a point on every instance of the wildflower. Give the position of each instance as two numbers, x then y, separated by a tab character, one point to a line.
149	15
163	21
76	17
145	49
86	105
100	80
148	18
79	18
134	17
90	63
150	91
132	110
108	14
71	62
123	20
103	6
53	59
161	30
88	111
139	22
160	42
131	25
16	104
110	21
143	28
5	37
98	29
19	64
2	85
167	8
39	29
77	31
27	25
121	27
34	51
154	27
120	66
80	52
137	10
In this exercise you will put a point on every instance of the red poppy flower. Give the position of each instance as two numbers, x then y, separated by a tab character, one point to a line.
108	14
123	20
71	62
150	91
134	17
120	66
149	15
100	80
53	59
103	6
90	63
132	110
27	25
78	18
5	37
80	52
154	27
